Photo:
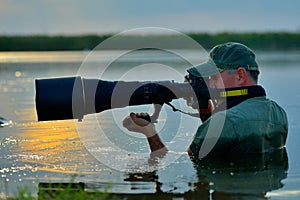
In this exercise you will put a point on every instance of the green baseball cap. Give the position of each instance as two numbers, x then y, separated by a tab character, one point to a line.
226	56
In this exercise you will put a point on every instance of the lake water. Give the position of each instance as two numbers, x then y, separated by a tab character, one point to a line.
100	152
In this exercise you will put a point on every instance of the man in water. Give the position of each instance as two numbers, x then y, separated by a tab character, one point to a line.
243	122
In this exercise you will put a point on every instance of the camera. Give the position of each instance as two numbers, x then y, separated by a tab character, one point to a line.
73	97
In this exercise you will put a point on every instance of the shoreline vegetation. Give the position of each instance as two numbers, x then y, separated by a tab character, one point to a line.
257	41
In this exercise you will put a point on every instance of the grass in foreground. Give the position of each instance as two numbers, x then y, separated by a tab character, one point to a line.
61	191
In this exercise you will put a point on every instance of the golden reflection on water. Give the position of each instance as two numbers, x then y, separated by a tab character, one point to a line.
53	146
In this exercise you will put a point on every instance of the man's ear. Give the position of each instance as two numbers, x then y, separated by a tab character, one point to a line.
241	76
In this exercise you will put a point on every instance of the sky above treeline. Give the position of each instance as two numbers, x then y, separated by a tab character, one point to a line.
74	17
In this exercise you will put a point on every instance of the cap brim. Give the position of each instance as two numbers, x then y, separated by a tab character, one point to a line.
205	69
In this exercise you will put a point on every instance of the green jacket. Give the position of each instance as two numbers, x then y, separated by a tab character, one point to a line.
255	125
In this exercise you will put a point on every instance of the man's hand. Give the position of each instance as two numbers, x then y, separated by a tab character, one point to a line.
140	122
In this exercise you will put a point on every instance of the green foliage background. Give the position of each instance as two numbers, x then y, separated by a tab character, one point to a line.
261	41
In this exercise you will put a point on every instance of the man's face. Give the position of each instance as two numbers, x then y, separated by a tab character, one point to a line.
225	79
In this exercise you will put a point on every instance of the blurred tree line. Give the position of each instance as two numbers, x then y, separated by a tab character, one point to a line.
261	41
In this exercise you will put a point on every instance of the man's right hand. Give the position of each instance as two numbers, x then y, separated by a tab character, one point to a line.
137	122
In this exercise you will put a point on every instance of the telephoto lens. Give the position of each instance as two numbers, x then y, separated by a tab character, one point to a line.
73	97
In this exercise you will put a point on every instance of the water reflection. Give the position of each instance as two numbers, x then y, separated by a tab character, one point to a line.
51	146
239	177
249	176
4	122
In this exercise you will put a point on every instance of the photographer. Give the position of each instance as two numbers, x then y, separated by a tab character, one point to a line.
240	123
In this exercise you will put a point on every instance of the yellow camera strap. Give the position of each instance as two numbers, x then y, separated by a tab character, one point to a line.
234	93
